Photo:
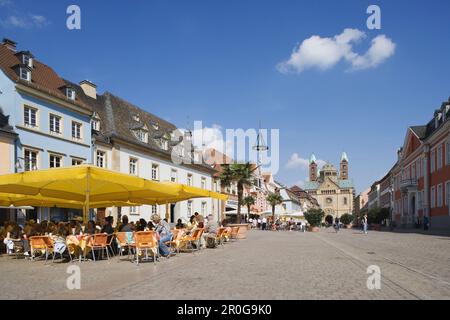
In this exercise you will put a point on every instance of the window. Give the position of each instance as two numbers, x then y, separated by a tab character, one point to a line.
134	166
433	197
101	159
156	126
432	160
447	153
142	135
447	193
77	162
173	175
203	183
30	118
70	93
136	118
30	160
189	179
155	172
55	124
439	195
76	130
27	60
164	144
204	208
345	200
413	171
25	74
96	125
134	211
439	157
154	209
55	161
189	208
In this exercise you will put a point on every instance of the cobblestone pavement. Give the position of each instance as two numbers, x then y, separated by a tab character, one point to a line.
266	265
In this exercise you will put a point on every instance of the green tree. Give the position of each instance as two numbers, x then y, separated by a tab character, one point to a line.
314	217
346	218
243	175
248	202
274	199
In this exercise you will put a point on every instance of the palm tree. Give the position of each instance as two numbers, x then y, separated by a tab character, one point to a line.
241	174
274	199
248	201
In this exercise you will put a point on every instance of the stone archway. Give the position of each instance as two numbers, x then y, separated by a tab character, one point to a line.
329	219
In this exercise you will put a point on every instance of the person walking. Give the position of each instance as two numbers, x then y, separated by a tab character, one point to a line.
337	224
264	223
364	221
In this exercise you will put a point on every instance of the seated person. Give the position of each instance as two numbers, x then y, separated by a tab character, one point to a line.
14	236
210	228
179	225
163	230
125	226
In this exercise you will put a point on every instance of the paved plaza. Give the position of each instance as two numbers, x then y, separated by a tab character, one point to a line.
266	265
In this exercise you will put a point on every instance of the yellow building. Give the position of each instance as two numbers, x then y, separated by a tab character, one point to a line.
332	189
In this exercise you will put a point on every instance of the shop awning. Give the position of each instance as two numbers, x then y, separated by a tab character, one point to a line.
88	186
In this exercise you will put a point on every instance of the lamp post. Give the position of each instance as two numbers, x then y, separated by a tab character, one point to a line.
391	209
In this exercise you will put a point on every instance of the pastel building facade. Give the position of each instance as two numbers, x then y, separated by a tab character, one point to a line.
52	124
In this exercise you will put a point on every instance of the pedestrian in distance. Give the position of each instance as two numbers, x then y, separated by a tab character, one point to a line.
365	224
337	224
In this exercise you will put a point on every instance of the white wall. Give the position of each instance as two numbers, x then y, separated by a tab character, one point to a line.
144	170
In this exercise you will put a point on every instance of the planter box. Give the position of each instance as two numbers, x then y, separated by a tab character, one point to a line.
314	229
243	227
348	226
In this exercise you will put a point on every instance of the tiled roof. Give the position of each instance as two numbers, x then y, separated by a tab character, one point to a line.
420	131
43	78
343	184
425	131
311	185
117	118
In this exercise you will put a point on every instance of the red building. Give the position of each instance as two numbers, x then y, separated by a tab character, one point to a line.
421	178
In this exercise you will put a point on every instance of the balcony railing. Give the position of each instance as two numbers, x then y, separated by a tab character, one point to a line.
407	184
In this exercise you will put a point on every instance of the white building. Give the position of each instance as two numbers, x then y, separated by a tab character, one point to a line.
133	141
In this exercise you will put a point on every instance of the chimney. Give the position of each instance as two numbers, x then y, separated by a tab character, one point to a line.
89	88
11	45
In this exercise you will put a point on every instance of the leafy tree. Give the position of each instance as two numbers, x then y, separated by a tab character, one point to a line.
243	175
347	218
248	202
314	217
274	199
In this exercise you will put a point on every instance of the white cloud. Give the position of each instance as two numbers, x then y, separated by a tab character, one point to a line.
381	49
297	162
325	53
27	22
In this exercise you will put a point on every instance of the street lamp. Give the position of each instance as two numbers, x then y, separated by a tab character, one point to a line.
391	209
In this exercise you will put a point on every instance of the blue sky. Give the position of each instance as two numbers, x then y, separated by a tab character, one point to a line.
216	61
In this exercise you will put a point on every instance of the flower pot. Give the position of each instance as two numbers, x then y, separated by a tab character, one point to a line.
314	229
348	226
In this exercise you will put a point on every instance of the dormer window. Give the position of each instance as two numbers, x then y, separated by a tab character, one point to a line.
95	123
136	118
70	93
27	60
142	134
156	126
25	74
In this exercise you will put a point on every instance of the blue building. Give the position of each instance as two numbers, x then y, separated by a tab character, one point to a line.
52	123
